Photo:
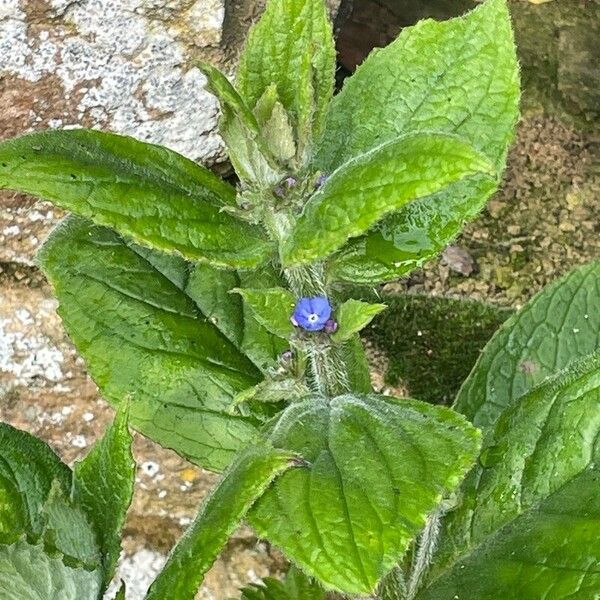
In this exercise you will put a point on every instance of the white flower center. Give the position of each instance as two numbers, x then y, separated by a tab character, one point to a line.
313	318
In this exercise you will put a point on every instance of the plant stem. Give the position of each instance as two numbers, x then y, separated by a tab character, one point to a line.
427	545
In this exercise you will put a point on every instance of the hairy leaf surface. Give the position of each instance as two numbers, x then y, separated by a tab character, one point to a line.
527	524
28	470
145	340
272	308
291	46
458	76
148	193
103	485
377	466
246	479
367	188
28	573
559	325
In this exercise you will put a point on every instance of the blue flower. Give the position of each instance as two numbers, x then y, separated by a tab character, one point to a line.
312	313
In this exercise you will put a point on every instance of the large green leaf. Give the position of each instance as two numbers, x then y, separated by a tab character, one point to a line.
28	573
459	76
211	289
103	486
377	466
353	316
28	470
146	192
527	524
559	325
371	186
291	46
145	340
247	478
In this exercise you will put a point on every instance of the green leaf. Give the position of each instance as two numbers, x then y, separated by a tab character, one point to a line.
556	327
148	193
246	479
460	77
371	186
408	238
211	289
348	518
28	470
103	486
352	316
28	573
354	357
296	586
291	46
272	308
145	340
239	128
121	593
527	525
68	530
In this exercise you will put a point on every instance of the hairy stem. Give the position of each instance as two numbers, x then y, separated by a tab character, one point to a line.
427	546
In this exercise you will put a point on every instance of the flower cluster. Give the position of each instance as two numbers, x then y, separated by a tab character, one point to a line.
314	314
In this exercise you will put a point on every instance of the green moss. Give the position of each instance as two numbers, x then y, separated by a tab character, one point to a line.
432	342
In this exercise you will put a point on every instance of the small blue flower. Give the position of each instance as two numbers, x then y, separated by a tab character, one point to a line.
312	313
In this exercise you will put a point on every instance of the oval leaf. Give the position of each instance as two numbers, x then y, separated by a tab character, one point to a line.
527	525
352	316
145	340
430	78
153	195
348	518
371	186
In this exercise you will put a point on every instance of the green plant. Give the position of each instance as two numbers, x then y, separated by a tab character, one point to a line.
216	314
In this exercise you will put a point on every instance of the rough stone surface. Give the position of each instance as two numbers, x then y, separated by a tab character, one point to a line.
123	65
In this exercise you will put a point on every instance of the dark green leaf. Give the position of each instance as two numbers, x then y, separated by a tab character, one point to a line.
272	308
527	524
103	486
459	76
292	47
121	593
348	518
145	340
28	573
369	187
559	325
353	316
151	194
28	470
355	359
246	479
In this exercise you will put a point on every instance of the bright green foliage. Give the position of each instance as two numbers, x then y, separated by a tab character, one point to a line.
121	593
27	572
144	339
104	495
353	316
458	76
348	518
558	326
246	479
296	586
248	151
68	530
61	550
272	308
374	184
146	192
527	524
211	289
28	470
292	47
